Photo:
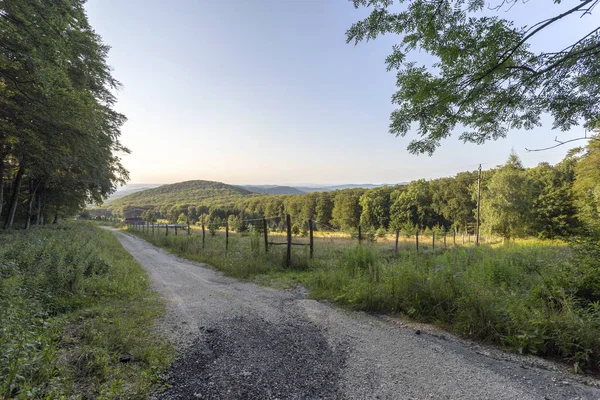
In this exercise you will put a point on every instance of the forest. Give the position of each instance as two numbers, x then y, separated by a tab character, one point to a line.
547	201
59	132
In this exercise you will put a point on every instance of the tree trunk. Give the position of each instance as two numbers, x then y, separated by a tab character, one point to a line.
30	202
1	183
40	204
14	200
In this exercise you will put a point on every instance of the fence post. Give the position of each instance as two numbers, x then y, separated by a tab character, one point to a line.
265	234
188	227
175	228
166	229
359	235
203	232
454	238
444	240
463	237
417	240
226	236
397	235
153	228
310	232
433	240
288	259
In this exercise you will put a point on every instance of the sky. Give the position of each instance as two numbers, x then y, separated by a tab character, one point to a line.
268	92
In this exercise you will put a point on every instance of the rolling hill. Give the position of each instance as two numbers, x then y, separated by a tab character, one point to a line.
182	193
272	189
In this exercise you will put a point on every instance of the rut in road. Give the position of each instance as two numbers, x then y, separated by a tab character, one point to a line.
239	340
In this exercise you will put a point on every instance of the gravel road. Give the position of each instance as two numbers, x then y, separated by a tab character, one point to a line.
239	340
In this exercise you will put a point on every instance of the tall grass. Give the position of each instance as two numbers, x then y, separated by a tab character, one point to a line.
76	317
531	296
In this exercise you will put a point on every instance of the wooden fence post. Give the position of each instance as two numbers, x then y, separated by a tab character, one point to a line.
226	236
417	240
444	240
188	227
454	238
203	232
175	228
310	233
153	229
288	258
359	235
433	240
166	229
397	235
265	234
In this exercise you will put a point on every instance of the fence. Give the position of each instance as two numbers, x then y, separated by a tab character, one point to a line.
273	228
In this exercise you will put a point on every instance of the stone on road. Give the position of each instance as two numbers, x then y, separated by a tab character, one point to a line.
239	340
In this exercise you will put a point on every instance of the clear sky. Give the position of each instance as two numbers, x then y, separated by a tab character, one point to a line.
267	91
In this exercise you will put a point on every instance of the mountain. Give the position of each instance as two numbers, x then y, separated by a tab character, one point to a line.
331	188
182	193
130	189
272	189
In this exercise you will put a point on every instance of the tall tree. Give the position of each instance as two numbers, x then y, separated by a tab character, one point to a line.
506	204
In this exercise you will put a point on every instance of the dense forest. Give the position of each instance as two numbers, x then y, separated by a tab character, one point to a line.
547	201
59	132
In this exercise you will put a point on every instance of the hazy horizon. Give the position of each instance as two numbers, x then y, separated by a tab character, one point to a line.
269	92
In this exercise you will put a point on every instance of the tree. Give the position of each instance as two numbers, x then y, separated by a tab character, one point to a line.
58	133
412	207
486	78
375	204
506	204
148	216
346	208
586	188
554	212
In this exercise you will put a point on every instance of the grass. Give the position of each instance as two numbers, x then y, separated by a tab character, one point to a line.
76	317
531	296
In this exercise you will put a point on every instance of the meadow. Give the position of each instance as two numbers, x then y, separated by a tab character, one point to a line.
532	296
76	317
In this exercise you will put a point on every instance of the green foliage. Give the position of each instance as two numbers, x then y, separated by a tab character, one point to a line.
586	188
507	203
486	77
72	301
59	130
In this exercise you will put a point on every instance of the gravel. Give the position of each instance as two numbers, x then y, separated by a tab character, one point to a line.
238	340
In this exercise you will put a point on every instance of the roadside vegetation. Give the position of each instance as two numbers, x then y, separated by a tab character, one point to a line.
77	317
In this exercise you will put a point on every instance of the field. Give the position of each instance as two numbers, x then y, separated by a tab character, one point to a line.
76	317
531	296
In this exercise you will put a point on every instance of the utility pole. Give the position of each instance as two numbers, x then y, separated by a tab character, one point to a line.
478	205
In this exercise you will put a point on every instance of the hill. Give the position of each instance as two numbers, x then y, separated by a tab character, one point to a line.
272	189
182	193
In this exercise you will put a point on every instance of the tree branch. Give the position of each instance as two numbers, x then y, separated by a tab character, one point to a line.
562	143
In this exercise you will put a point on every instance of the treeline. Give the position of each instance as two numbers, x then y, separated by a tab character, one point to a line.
58	129
546	201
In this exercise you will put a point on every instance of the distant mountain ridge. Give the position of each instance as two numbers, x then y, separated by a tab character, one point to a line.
272	189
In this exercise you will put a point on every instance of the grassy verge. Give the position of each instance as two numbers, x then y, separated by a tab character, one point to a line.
76	317
534	297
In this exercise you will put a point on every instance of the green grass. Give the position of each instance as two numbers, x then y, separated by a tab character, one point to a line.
73	304
532	296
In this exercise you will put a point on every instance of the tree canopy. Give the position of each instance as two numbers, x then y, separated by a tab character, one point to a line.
487	78
59	133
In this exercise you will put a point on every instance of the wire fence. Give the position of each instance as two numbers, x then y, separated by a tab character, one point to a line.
292	231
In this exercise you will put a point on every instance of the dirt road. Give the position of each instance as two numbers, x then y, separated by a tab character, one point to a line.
244	341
